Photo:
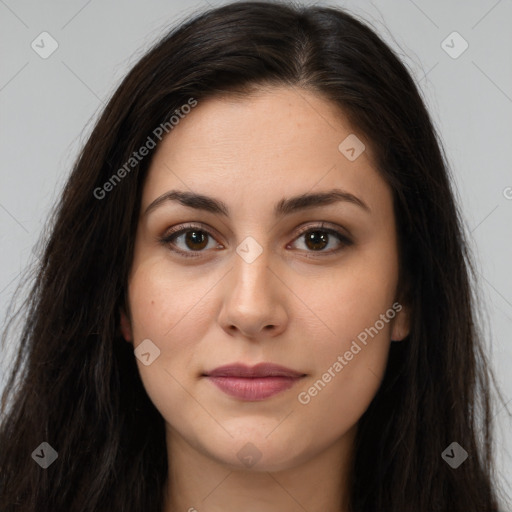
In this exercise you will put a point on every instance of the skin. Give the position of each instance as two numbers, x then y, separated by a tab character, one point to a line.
295	305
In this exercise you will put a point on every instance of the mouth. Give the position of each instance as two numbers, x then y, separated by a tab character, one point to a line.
253	383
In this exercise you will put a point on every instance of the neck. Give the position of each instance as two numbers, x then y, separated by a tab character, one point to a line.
197	482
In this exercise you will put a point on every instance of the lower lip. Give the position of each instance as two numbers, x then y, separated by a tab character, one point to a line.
253	389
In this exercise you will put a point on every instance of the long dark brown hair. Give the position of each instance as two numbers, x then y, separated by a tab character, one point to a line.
75	384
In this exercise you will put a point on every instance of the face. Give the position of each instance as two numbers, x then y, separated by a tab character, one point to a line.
310	286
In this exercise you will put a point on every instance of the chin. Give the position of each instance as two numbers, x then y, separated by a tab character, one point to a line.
257	453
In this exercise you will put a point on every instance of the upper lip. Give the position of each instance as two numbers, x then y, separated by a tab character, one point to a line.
259	370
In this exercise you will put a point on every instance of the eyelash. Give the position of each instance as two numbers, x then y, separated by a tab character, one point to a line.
168	239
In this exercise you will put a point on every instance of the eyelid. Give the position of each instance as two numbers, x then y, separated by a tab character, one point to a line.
189	225
325	226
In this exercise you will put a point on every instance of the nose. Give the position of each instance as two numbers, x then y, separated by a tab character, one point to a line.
253	299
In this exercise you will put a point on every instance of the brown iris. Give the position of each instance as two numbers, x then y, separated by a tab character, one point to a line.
316	239
196	239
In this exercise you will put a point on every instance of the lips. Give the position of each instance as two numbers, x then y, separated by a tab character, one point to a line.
260	370
253	383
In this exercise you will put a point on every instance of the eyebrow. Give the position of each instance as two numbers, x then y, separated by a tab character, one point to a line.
283	207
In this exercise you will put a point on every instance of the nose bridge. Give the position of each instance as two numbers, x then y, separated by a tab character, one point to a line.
251	274
251	301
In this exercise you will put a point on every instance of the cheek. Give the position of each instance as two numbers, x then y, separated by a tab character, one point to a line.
353	297
169	309
350	358
346	376
165	302
333	401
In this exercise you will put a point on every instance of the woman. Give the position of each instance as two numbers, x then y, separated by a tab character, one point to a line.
261	210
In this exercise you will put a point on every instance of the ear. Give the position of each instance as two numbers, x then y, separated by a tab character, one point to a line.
401	323
125	326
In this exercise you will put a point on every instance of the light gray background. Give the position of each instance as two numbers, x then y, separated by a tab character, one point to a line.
47	107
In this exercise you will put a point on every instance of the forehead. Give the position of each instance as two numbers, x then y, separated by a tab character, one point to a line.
275	140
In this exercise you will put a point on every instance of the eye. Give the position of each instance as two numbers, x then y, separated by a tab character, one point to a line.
195	239
317	238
